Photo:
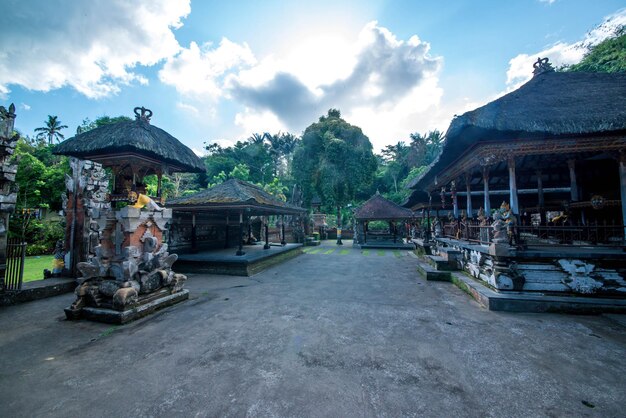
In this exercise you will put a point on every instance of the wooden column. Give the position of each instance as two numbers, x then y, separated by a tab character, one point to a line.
227	233
193	232
267	233
240	250
455	203
572	180
513	186
622	182
283	241
468	188
487	201
540	198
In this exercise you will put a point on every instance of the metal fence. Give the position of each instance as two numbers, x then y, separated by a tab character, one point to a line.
570	235
16	251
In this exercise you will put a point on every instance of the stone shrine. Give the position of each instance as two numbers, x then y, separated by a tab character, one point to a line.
116	239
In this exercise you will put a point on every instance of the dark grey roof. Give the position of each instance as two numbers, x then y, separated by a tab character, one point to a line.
377	207
235	194
136	136
550	105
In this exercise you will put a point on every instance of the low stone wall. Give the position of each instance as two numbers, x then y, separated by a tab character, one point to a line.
504	268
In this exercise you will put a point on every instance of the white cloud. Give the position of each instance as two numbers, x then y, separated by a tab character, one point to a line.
187	107
377	81
198	71
549	2
25	106
561	53
90	46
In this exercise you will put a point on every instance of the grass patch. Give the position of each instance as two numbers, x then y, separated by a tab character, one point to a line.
344	252
315	251
108	331
332	250
396	253
365	252
33	267
380	252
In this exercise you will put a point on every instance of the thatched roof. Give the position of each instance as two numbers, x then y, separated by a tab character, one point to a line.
235	195
417	197
137	137
377	207
549	106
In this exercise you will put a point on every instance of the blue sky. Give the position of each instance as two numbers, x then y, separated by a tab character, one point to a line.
216	71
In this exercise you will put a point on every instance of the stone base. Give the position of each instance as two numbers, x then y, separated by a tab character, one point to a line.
147	305
535	302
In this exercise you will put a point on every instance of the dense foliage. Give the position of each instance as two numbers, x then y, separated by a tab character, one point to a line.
334	161
609	56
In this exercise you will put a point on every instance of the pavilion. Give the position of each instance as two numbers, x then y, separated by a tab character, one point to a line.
208	225
555	151
377	208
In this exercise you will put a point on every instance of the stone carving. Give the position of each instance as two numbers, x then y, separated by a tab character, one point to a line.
8	169
542	65
579	279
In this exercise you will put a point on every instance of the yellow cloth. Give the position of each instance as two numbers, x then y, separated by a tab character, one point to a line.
142	201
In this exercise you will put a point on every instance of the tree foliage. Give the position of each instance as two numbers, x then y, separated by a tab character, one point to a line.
609	56
88	124
334	161
51	130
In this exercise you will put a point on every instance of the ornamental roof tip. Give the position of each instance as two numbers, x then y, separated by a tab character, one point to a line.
541	66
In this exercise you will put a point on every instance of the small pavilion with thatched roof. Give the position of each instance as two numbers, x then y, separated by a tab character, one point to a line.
232	214
377	208
543	168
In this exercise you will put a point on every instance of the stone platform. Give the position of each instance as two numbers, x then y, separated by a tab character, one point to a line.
225	261
38	289
147	304
510	301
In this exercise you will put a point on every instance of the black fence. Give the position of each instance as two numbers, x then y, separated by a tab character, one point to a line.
16	251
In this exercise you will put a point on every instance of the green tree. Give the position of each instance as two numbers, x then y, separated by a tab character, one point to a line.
609	56
52	130
334	160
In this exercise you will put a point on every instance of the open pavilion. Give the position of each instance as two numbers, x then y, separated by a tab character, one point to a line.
209	225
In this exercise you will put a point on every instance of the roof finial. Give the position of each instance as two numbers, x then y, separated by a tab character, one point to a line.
542	66
145	115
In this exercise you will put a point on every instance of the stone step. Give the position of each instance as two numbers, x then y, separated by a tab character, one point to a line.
449	254
440	263
431	274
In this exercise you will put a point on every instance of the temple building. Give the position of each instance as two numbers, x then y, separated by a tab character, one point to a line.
530	189
394	218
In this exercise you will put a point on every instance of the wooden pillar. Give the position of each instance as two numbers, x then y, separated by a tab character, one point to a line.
622	177
468	188
513	186
267	234
283	241
487	201
193	232
455	203
541	203
159	190
227	232
240	250
572	180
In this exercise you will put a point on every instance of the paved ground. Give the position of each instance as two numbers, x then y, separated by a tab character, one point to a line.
334	332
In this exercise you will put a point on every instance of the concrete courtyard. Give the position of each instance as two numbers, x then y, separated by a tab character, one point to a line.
335	332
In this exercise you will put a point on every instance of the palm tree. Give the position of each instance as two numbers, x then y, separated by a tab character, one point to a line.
52	130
